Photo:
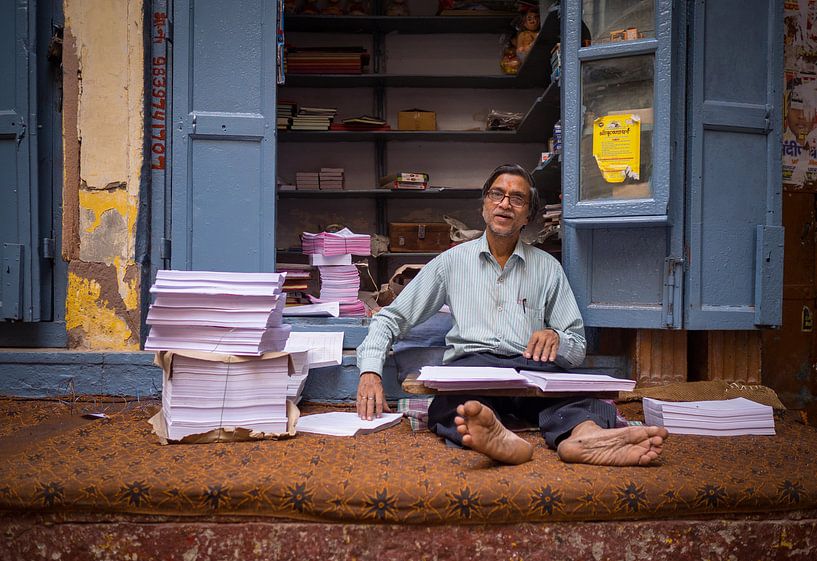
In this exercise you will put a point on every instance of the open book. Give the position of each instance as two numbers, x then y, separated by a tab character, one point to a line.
338	423
460	378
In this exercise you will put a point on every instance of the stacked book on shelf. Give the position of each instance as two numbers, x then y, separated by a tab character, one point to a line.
297	283
313	119
327	60
405	180
332	253
284	111
362	123
217	312
330	178
552	217
307	180
726	417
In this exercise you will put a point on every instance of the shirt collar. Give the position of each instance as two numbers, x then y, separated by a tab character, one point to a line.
519	250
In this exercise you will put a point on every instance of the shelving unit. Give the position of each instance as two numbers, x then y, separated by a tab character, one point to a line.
535	127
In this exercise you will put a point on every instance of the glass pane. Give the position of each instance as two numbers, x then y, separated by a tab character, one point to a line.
619	20
616	141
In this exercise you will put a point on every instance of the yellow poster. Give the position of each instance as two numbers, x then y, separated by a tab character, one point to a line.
617	147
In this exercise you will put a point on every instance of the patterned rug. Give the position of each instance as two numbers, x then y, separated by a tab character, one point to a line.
52	460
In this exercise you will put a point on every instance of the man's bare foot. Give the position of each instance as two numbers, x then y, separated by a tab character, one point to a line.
481	431
588	443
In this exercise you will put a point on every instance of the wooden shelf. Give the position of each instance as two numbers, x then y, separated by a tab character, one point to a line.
430	193
548	176
406	136
401	24
534	72
498	81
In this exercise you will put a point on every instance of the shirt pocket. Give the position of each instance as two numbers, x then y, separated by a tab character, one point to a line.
534	318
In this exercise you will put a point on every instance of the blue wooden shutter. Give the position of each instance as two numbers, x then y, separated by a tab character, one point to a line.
624	257
735	238
19	254
223	153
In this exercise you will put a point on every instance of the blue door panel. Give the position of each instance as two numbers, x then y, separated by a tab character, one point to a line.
733	200
223	176
730	213
225	206
19	215
619	279
228	56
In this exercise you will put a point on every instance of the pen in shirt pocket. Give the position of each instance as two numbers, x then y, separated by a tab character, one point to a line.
524	302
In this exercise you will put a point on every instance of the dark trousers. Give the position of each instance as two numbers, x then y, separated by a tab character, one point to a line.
555	417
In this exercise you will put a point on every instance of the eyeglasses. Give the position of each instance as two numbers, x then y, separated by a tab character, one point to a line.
496	196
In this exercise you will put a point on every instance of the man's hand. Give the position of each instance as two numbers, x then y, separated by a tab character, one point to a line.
542	345
370	400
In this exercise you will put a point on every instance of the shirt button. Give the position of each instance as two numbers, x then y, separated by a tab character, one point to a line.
500	308
500	279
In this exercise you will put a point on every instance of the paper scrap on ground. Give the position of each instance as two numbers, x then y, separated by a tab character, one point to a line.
338	423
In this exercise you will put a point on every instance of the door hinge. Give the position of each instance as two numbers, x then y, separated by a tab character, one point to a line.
673	271
48	248
164	249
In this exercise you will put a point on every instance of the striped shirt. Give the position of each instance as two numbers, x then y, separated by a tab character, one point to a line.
494	309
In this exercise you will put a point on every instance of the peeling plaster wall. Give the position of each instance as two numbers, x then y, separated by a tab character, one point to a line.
104	155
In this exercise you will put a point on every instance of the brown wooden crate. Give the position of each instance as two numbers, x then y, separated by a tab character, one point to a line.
419	237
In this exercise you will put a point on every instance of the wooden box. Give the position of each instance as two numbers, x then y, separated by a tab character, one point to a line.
419	237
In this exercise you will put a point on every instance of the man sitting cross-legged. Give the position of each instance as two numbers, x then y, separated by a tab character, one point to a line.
511	306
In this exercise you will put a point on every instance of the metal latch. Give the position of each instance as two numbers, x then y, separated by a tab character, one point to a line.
421	231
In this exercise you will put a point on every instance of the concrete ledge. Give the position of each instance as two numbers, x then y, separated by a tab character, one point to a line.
57	372
86	537
51	372
54	372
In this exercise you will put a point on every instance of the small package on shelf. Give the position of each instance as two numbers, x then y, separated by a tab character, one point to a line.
417	120
419	237
502	120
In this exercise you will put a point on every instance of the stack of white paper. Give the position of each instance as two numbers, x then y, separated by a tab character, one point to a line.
345	307
297	380
345	424
219	312
337	243
457	378
573	382
312	349
327	309
202	395
728	417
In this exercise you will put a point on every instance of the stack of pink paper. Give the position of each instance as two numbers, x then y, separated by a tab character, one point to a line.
339	283
217	312
336	243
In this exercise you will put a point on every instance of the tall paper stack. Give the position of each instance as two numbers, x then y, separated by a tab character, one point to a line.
199	322
332	253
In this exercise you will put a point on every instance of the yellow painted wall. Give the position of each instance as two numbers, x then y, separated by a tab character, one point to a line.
102	306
